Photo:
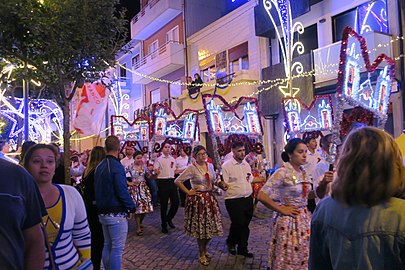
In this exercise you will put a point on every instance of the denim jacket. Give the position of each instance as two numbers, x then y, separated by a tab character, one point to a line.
110	186
358	237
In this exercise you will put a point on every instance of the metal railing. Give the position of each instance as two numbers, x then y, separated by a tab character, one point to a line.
152	55
141	13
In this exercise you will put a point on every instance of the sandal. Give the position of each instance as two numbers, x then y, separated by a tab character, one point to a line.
208	255
203	261
139	233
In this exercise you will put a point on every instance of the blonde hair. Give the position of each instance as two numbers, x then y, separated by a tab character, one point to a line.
369	170
97	154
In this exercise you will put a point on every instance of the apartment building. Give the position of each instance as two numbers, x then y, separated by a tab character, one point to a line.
379	22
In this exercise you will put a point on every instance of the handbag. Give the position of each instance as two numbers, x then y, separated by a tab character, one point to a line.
85	265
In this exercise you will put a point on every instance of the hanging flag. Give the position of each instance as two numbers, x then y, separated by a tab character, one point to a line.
91	108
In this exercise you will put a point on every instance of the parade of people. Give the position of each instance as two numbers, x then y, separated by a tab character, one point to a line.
215	134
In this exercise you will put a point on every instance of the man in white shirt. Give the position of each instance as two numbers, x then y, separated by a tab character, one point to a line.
237	177
321	174
128	161
180	165
164	169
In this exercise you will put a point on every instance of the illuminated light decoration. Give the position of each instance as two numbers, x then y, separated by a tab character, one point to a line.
189	127
225	125
216	117
363	112
160	123
363	94
252	118
318	116
173	129
286	40
136	130
45	119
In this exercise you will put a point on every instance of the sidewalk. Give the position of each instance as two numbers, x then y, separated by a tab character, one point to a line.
175	250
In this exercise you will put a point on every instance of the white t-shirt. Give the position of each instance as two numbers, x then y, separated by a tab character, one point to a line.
181	163
312	160
128	163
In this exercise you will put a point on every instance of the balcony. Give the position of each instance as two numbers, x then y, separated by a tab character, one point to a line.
159	63
326	59
153	16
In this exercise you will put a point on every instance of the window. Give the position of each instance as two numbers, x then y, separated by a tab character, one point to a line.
239	64
135	60
208	74
370	16
152	48
175	89
123	71
173	34
155	96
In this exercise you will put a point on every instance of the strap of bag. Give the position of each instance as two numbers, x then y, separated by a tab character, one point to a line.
48	246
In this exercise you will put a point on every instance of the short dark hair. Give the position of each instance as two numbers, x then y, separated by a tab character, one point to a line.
25	147
236	145
325	141
112	143
197	149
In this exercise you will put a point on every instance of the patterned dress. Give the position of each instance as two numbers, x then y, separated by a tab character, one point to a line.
139	191
289	244
202	219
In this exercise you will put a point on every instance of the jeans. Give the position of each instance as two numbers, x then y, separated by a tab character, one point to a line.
115	231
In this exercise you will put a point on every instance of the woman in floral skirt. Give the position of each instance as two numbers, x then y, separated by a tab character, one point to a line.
286	194
202	219
139	191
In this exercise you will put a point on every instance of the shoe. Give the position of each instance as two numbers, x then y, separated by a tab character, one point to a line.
231	248
164	230
207	255
245	253
203	261
171	225
139	233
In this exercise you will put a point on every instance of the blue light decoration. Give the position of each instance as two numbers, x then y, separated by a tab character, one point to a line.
252	118
300	118
363	93
160	123
189	127
216	117
45	120
373	16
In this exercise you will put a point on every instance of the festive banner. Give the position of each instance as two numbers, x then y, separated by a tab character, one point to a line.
91	108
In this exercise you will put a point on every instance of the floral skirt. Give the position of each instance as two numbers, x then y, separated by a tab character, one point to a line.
202	219
289	244
141	196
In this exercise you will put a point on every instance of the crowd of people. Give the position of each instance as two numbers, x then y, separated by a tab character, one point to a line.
358	222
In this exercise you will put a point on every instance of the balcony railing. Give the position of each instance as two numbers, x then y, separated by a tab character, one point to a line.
141	13
149	57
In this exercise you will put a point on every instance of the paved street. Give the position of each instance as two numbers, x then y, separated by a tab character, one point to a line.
175	250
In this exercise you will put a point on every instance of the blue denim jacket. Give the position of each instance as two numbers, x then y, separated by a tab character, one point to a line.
357	237
110	186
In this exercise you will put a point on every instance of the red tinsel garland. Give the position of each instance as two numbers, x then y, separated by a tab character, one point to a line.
358	114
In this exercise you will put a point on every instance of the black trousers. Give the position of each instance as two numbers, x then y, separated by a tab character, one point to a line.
240	212
187	184
97	237
167	190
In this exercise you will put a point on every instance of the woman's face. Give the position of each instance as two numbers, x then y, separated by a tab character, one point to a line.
42	165
299	156
201	156
138	160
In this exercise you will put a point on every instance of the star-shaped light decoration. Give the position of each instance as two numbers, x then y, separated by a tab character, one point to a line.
287	91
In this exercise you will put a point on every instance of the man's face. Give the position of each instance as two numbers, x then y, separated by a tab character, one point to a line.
129	151
239	153
166	149
312	144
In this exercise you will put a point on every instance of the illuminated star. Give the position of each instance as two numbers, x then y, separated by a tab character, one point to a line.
287	92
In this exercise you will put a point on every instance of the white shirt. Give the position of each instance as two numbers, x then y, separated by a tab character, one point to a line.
181	163
312	160
228	156
239	177
165	165
128	163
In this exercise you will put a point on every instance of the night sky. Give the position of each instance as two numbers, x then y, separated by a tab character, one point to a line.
132	7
